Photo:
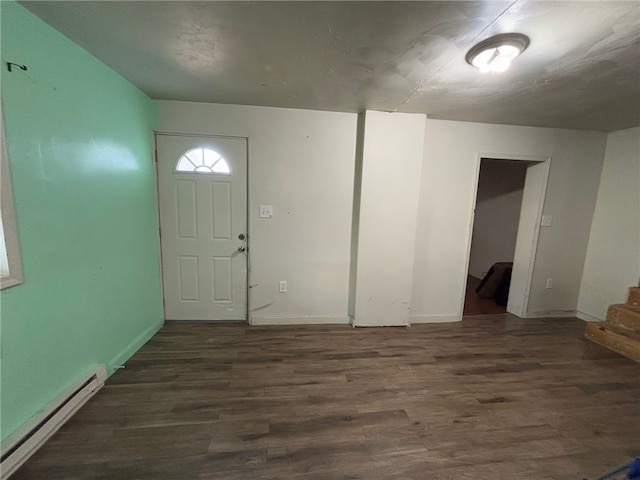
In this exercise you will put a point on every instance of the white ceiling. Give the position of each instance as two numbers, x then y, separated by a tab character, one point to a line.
582	69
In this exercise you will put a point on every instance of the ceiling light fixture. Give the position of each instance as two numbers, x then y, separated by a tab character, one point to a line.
496	53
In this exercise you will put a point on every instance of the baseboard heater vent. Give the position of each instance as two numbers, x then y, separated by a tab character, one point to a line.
19	446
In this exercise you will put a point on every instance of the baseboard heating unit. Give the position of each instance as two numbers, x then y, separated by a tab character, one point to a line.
23	443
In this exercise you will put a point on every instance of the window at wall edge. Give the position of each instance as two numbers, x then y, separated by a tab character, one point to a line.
10	268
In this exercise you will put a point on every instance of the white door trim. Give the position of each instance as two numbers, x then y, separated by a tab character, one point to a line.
168	133
538	189
156	134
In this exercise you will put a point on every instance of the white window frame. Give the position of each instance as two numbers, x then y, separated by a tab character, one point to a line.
7	216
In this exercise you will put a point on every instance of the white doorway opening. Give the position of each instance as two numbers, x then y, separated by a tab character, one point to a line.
528	228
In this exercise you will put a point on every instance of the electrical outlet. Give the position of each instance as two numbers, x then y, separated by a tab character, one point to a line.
549	283
283	286
266	211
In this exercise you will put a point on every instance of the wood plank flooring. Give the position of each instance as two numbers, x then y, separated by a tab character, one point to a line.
474	305
486	398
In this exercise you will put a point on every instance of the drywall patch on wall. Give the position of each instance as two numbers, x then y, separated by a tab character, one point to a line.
613	258
79	144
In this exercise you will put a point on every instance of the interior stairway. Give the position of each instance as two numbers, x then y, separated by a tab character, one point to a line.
621	331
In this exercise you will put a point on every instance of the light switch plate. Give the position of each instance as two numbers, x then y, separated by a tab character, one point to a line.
547	220
266	211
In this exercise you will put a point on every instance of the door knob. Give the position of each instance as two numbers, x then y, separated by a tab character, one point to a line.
242	248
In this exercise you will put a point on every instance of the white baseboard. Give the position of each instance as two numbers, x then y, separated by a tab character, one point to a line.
366	324
587	318
434	318
134	346
551	314
26	440
300	320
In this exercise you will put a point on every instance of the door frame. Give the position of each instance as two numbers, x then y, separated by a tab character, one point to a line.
156	134
527	242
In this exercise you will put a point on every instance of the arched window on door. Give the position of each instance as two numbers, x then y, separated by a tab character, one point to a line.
202	160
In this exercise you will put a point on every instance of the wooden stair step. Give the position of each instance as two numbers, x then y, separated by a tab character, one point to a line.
620	330
600	333
627	316
633	297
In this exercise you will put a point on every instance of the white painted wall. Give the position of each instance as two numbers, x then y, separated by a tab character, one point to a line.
447	188
498	201
301	162
390	190
613	257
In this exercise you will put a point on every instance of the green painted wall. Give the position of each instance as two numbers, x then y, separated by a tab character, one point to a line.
79	139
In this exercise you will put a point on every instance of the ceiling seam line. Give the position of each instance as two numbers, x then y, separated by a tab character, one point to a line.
473	42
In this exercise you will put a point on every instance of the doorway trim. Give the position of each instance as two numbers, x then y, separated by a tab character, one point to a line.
526	242
156	134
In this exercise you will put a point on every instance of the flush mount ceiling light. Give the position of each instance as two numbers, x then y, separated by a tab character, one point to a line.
496	53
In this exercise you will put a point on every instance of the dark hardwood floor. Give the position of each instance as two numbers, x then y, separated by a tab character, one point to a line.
474	305
491	398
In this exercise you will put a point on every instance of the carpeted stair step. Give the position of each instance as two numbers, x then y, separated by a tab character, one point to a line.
633	298
623	315
602	334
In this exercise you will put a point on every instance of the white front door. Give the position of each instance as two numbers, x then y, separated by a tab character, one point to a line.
202	184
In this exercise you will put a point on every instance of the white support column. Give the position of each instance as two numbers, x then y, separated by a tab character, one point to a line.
390	165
